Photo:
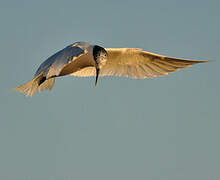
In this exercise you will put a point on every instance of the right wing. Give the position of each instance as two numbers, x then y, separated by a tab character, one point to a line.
68	60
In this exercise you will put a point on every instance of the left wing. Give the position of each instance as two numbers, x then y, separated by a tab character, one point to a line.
136	63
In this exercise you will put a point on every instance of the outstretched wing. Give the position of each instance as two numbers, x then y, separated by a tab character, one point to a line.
136	63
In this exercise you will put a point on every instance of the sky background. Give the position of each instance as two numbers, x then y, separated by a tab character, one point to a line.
156	129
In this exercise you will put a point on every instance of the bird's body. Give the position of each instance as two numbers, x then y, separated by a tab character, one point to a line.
83	59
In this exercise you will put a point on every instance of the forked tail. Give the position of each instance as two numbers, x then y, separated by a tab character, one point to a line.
39	82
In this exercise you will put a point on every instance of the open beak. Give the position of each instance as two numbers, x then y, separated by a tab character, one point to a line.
97	76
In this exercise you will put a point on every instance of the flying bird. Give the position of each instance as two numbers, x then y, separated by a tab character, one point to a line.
83	59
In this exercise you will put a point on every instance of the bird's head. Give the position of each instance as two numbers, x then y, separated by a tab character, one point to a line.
100	56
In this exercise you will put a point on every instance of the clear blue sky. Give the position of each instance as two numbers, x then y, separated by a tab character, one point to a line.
160	129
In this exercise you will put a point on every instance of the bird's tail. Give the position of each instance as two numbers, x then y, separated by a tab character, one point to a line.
39	82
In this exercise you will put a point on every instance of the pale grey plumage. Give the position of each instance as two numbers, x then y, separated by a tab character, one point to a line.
83	59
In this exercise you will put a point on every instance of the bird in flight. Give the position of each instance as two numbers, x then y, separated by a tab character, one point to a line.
83	59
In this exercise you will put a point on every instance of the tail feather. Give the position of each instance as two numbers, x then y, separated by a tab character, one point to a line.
46	85
30	87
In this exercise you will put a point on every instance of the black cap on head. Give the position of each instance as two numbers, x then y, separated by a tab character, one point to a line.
97	50
100	55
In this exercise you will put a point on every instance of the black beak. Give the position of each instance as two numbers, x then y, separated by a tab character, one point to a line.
97	76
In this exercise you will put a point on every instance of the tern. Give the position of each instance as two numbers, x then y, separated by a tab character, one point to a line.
84	59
